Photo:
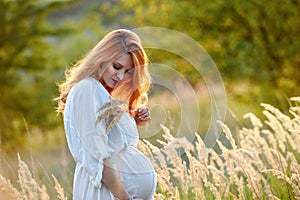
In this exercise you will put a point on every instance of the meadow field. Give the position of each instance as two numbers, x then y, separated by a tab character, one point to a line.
260	161
242	54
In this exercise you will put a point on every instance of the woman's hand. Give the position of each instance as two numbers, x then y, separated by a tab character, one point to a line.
112	180
142	115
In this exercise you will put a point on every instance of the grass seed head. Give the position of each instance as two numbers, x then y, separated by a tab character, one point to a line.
111	112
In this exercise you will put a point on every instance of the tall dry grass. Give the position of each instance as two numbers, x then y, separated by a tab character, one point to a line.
28	189
263	163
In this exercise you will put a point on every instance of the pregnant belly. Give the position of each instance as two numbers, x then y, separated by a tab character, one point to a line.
137	173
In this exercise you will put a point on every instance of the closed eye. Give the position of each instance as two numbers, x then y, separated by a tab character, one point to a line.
117	66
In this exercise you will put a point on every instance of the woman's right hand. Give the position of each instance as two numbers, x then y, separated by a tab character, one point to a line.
142	115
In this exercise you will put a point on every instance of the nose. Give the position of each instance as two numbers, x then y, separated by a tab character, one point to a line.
121	74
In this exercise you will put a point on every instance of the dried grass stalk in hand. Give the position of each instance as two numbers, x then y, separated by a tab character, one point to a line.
112	112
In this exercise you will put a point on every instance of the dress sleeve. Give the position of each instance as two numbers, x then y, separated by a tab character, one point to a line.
92	136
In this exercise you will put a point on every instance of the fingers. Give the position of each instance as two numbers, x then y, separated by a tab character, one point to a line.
143	113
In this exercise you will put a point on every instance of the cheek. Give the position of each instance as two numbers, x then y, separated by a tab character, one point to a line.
109	71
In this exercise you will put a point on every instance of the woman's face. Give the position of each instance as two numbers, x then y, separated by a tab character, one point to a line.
120	70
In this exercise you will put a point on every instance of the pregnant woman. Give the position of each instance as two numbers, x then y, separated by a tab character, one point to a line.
108	164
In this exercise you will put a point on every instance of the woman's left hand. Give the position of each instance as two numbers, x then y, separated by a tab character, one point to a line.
142	115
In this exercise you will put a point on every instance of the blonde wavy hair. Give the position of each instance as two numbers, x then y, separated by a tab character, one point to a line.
110	48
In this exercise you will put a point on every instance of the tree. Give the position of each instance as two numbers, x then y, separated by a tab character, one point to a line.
254	43
27	65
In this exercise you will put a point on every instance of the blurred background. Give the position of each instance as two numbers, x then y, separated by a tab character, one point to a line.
255	45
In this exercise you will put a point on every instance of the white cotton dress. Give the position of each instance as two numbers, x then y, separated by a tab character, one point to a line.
89	144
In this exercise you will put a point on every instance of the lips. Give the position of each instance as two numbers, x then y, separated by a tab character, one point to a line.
115	82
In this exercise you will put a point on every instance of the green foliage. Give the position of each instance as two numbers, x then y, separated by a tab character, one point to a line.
39	39
255	45
27	65
253	41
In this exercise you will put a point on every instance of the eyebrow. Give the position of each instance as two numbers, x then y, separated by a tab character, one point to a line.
119	64
116	62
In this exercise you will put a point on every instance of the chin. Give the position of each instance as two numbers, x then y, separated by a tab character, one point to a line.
112	86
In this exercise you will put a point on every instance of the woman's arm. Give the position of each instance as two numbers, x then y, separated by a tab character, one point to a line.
111	180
